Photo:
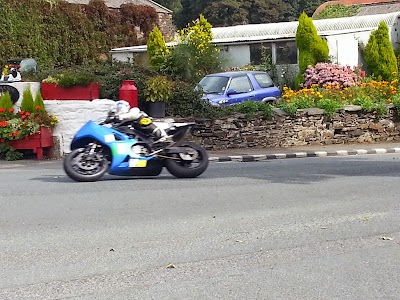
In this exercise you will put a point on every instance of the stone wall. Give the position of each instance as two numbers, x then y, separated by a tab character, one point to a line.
311	127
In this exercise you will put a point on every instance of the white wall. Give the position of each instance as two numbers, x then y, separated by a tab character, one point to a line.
343	49
22	86
72	114
236	55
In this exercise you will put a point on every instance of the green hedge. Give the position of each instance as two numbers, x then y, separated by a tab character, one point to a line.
65	34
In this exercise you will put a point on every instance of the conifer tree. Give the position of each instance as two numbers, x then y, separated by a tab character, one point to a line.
5	101
27	101
312	48
38	105
156	48
379	54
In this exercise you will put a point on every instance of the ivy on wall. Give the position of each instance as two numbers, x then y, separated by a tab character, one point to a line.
63	34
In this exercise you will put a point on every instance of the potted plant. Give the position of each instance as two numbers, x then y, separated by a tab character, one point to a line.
70	85
159	90
28	128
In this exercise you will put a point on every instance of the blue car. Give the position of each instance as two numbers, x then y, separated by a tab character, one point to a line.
229	88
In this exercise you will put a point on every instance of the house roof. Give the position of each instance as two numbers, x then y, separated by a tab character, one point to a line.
256	32
273	31
117	4
373	9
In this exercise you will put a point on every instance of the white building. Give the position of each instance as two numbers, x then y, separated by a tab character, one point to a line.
241	45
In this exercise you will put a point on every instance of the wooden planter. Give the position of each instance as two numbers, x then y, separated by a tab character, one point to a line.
38	142
52	91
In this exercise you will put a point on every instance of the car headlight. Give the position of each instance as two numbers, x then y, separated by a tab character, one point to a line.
223	101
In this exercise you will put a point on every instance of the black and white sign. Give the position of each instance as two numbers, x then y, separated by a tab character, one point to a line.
14	93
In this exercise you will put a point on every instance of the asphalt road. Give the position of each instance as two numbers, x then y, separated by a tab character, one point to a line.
309	228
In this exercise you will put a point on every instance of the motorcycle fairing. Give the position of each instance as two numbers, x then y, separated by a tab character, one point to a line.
120	146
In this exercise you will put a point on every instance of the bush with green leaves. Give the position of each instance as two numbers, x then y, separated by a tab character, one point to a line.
62	34
27	102
194	48
312	48
379	54
338	11
329	106
369	105
158	88
157	49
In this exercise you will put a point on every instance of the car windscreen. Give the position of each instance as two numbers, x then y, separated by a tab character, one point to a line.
214	84
264	80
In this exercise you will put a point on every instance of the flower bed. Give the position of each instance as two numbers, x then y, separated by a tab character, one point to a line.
27	128
330	88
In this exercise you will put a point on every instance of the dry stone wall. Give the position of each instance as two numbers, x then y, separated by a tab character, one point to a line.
311	127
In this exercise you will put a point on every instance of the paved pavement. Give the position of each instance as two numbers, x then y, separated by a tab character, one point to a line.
259	154
262	154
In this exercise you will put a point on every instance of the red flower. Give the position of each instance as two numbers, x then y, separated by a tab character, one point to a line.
16	133
21	112
11	110
23	117
10	134
2	110
38	108
27	113
1	140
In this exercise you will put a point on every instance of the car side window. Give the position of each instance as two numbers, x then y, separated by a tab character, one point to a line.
264	80
241	84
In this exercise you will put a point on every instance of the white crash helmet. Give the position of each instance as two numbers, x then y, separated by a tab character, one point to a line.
121	107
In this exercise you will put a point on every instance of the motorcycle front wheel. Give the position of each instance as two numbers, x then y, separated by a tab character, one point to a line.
80	165
189	164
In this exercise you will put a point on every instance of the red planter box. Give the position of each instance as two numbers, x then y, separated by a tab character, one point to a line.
38	142
51	91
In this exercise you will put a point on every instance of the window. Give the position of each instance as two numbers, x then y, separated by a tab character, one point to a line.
257	51
286	53
263	80
214	84
241	84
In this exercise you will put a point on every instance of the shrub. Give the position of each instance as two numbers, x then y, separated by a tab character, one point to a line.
329	106
199	55
312	48
329	74
187	102
338	11
252	108
379	54
156	48
27	101
159	88
39	104
70	78
369	105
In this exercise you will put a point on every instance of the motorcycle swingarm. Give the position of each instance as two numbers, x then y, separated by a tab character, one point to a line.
177	150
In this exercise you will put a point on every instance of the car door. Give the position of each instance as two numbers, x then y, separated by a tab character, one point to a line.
240	89
265	86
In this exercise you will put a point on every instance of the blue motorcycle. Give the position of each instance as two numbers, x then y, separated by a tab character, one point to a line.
118	148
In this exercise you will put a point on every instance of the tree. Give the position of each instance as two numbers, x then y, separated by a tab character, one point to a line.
261	11
174	5
191	10
196	50
156	48
226	13
312	48
379	54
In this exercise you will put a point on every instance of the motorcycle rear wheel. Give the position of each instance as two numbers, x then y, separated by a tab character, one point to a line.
79	166
195	164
